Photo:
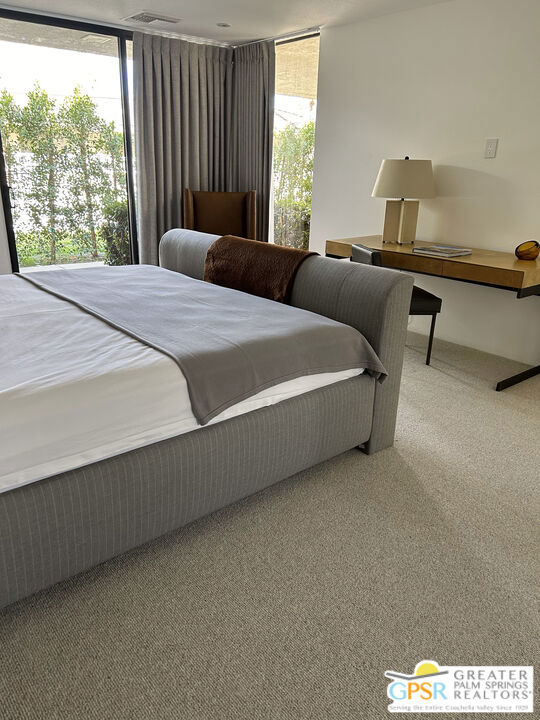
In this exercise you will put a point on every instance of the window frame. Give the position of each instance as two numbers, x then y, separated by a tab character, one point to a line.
122	36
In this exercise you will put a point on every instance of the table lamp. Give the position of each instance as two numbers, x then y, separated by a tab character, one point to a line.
403	179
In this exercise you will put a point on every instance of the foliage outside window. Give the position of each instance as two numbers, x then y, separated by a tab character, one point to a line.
115	232
293	175
67	165
294	140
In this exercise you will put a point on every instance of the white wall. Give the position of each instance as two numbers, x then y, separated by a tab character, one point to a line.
434	83
5	262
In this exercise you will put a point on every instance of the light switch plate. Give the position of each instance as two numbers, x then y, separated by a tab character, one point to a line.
491	148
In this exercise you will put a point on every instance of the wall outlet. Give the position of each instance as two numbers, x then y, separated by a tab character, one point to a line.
491	148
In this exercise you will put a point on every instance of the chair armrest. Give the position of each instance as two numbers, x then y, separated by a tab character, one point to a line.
189	209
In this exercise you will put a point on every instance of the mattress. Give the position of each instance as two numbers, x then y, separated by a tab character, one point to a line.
74	390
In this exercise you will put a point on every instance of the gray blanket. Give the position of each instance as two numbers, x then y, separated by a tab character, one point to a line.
228	344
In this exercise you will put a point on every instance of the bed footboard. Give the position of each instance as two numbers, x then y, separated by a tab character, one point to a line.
373	300
376	302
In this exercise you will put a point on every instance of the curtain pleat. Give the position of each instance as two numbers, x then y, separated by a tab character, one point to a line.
203	120
252	125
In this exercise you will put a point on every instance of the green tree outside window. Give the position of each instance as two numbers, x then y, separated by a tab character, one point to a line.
293	175
66	164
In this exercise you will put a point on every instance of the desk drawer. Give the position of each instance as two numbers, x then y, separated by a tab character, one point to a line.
482	274
419	263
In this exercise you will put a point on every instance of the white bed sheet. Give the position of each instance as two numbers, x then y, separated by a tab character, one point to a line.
74	390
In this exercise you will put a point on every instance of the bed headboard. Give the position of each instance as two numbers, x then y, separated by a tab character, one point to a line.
373	300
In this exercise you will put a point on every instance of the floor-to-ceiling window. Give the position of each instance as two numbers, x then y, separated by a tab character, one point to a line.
61	121
297	64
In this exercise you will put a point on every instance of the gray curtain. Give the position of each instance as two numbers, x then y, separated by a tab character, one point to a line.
252	125
182	106
203	120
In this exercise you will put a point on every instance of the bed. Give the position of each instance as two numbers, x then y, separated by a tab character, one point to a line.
156	467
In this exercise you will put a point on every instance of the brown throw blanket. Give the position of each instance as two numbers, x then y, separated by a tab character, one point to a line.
254	267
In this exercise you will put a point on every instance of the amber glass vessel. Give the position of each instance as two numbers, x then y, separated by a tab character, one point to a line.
528	250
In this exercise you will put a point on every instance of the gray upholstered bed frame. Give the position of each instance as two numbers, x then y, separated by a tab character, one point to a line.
60	526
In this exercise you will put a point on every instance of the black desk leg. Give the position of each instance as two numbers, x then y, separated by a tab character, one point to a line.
520	377
430	341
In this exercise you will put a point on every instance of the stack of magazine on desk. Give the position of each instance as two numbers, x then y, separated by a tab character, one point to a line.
445	251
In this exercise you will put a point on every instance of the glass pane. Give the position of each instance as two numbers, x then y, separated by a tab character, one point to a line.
294	140
61	124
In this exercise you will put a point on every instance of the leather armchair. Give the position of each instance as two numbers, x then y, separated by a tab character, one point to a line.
221	213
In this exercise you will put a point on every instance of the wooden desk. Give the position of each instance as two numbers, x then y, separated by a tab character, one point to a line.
482	267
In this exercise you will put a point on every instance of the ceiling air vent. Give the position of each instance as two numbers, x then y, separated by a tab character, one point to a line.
146	18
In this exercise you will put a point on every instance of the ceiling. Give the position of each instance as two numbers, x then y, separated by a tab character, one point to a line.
248	19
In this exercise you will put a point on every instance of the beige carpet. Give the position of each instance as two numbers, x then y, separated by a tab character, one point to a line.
293	603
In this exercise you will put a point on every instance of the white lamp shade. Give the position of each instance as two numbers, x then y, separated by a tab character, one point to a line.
405	179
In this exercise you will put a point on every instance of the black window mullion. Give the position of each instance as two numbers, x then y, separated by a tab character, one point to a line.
8	215
128	149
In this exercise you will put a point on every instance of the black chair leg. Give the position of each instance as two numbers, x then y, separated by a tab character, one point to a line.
430	342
